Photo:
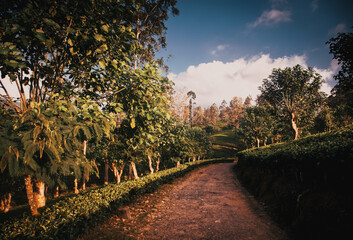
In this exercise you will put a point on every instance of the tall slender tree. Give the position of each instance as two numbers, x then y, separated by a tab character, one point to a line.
192	96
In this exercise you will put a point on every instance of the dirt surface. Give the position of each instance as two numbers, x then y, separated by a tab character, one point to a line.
208	203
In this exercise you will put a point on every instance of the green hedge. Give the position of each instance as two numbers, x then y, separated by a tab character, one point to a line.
335	146
305	184
70	216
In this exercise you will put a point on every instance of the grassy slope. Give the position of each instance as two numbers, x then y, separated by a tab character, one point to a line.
224	144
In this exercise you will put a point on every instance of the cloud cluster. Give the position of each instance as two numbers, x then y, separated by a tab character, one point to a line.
271	18
216	81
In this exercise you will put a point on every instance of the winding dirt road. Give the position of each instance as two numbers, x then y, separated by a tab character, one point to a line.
208	203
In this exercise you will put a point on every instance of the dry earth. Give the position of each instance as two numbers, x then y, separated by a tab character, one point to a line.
208	203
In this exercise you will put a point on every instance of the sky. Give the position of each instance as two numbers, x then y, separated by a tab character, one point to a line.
225	48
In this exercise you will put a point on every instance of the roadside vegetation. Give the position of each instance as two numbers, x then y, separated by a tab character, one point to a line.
84	103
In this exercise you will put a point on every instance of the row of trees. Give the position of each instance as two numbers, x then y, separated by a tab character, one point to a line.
290	104
89	94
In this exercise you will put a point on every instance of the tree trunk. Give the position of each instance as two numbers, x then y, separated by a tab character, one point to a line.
188	159
84	181
106	174
295	127
157	164
6	203
84	178
194	159
39	195
133	171
76	186
56	194
257	142
30	196
117	173
178	163
150	164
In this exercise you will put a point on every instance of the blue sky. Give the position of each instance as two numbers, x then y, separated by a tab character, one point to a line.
225	39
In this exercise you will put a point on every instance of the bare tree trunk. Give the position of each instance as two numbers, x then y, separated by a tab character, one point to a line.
76	186
39	195
157	164
178	163
133	171
56	194
30	196
194	159
257	142
84	180
117	173
150	164
188	159
106	174
295	127
6	203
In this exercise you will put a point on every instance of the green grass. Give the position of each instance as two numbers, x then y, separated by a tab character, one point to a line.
224	144
225	138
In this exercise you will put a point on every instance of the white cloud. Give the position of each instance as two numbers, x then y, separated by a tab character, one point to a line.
338	28
214	81
271	18
218	49
327	75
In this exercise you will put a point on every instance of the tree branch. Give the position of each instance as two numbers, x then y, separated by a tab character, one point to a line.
9	100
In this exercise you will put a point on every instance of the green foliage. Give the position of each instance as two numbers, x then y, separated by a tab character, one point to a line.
294	95
341	47
61	47
305	184
257	125
315	150
70	216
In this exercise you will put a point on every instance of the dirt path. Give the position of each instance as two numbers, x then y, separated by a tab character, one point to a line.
207	203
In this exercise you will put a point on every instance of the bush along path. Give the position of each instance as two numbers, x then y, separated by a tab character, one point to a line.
207	203
72	215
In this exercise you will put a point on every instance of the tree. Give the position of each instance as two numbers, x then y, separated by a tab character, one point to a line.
236	110
247	102
56	48
257	125
198	116
147	21
341	47
61	48
294	95
144	102
211	114
178	105
224	111
192	96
